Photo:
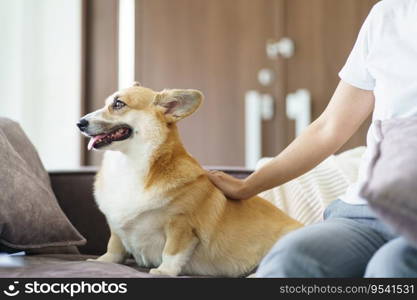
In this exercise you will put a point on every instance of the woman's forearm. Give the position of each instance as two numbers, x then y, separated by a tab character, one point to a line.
304	153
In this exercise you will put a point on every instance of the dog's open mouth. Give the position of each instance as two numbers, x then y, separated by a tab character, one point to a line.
118	134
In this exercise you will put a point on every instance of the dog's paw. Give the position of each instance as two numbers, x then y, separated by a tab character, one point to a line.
91	259
163	272
108	258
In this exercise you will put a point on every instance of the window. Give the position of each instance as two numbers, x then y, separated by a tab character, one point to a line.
40	75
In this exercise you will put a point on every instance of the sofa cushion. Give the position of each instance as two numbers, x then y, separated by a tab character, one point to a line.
391	186
65	266
30	216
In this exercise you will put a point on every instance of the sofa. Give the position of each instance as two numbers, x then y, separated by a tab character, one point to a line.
41	209
73	190
50	219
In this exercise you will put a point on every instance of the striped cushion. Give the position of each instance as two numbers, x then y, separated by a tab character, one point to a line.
305	197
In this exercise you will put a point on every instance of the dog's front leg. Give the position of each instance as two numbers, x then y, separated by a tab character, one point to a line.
179	247
116	252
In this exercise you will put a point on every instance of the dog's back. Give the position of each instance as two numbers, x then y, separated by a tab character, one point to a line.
233	234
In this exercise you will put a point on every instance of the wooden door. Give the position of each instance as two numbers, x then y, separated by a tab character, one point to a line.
218	47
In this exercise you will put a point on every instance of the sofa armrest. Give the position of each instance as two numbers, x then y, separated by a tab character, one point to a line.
74	191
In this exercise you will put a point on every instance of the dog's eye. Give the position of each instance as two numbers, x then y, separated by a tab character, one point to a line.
117	104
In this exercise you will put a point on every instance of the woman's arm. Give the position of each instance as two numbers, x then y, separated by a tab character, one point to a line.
347	110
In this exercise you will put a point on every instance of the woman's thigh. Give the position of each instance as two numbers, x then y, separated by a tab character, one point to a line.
336	247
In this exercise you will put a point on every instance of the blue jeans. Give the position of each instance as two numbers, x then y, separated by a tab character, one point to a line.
351	242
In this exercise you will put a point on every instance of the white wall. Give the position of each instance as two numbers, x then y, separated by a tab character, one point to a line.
40	69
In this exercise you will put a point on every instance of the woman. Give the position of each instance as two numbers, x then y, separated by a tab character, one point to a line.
380	76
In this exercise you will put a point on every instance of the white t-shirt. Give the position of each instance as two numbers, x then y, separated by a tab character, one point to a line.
384	59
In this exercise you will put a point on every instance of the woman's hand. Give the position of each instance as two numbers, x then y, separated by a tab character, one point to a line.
232	187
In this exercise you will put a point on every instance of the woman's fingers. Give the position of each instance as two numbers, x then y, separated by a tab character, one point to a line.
229	185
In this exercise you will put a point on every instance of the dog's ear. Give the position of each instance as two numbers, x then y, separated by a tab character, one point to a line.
178	104
136	83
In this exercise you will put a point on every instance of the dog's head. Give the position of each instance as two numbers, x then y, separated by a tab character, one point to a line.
137	114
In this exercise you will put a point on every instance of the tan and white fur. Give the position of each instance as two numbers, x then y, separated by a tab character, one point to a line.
161	207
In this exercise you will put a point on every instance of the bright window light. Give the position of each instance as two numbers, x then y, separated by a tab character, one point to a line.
126	43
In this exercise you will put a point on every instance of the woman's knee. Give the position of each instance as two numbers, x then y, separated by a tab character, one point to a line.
397	258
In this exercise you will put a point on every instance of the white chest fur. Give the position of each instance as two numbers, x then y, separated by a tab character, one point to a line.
136	215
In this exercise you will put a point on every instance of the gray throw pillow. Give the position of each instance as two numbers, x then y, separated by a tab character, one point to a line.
30	216
391	186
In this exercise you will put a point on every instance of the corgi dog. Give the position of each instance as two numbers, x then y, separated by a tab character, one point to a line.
158	201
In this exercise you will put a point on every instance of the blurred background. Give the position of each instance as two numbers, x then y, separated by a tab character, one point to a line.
267	68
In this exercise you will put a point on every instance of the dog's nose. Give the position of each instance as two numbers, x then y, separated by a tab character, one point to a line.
82	124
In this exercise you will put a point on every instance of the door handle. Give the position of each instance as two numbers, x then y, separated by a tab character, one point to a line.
298	108
258	107
284	47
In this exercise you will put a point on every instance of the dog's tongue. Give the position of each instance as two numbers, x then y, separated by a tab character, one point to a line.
93	140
